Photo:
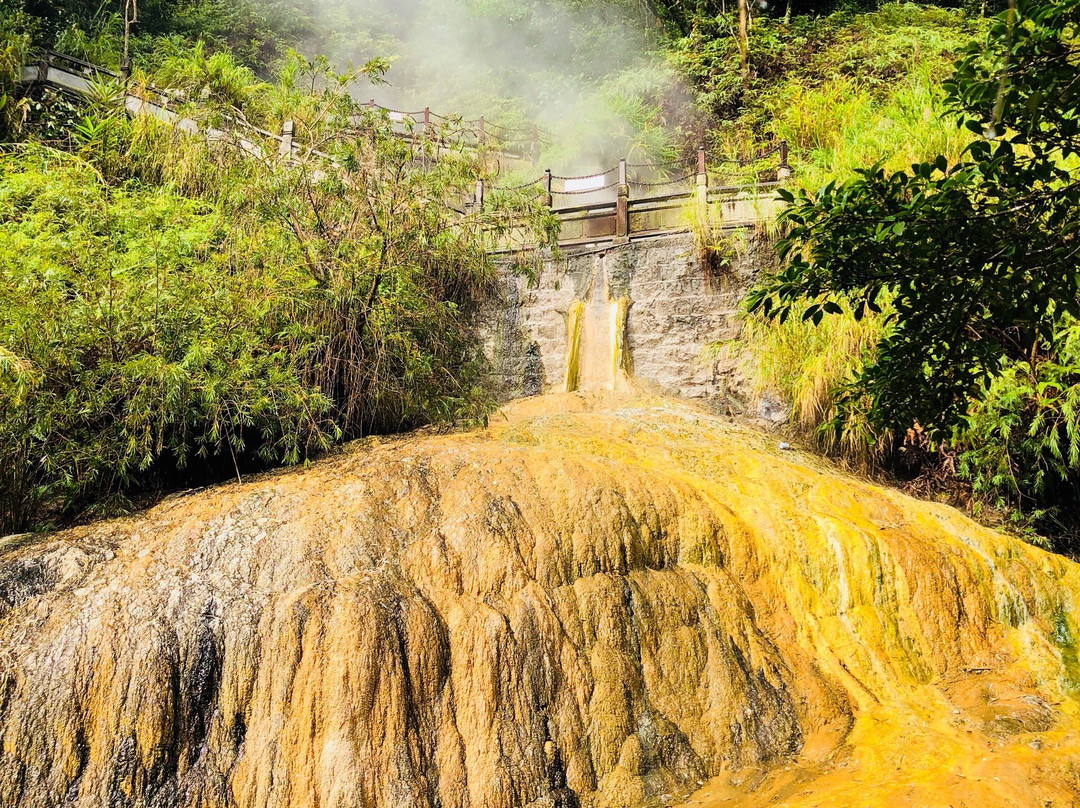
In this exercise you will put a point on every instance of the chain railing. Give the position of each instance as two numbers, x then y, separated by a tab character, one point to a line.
473	134
498	141
479	133
679	183
694	171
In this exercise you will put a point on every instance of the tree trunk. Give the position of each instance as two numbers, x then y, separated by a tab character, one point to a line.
744	39
131	15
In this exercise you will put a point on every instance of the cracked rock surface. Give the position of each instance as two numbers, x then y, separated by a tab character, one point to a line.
590	603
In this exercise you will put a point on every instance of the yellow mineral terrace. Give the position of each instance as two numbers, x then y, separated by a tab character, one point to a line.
595	602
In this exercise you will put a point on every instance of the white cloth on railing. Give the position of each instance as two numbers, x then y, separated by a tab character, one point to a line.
593	183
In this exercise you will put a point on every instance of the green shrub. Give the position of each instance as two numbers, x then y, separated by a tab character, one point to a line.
844	90
1020	445
205	77
976	252
842	124
838	88
809	367
179	308
128	338
99	41
16	31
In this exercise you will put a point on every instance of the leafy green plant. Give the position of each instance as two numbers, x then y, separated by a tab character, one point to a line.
844	90
206	77
98	41
15	36
102	129
809	368
124	342
978	258
1020	444
181	307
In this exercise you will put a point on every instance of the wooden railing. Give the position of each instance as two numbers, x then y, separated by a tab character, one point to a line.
627	201
506	147
616	206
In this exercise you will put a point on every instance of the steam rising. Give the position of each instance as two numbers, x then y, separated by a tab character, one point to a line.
586	73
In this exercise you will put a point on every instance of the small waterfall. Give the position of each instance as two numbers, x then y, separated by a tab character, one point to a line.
596	339
621	366
597	352
574	319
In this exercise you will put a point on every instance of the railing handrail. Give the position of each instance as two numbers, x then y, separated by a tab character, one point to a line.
56	56
164	100
621	207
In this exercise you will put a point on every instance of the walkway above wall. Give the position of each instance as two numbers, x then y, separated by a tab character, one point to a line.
626	202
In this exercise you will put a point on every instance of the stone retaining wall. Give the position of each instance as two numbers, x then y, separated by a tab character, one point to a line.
677	308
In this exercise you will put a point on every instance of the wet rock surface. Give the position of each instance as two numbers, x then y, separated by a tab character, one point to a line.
675	309
591	603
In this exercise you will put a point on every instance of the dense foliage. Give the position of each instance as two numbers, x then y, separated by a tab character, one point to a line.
843	90
992	397
258	31
1020	444
179	308
126	339
979	259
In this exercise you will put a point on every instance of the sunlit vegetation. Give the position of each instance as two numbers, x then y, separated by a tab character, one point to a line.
179	309
977	257
259	32
807	367
366	319
843	90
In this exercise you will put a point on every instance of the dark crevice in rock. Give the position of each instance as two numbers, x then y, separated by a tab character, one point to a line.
122	783
23	579
239	731
199	688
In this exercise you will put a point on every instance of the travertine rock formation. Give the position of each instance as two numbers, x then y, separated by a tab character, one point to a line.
595	603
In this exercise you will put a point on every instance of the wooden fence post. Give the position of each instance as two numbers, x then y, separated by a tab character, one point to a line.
622	207
287	131
478	200
783	171
547	188
702	186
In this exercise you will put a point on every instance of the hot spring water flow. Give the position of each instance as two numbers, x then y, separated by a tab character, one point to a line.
597	354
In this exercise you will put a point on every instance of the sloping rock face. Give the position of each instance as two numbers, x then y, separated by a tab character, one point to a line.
589	603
